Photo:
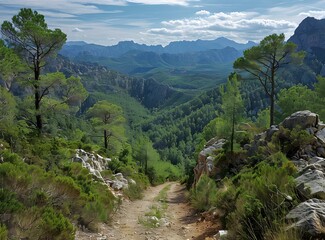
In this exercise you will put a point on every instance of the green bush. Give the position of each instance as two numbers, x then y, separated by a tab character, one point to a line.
203	195
93	212
9	202
261	200
54	226
291	141
3	232
133	192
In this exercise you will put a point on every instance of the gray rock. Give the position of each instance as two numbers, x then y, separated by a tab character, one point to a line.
300	164
321	135
269	133
312	182
93	162
205	160
309	217
304	119
118	185
318	160
321	151
320	126
119	176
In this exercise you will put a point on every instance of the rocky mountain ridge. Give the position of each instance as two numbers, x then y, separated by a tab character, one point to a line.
75	48
309	34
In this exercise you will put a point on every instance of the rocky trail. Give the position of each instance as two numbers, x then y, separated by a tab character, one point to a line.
179	221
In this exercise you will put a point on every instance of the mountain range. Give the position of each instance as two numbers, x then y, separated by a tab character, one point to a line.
190	66
75	48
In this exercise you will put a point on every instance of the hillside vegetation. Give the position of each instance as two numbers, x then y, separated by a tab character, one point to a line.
57	116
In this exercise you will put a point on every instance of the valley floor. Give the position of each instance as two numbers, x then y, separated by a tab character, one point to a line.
181	221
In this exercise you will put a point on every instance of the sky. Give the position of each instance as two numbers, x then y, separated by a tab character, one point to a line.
153	22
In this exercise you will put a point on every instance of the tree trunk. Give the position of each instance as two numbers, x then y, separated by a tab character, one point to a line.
146	163
232	132
105	139
39	122
272	97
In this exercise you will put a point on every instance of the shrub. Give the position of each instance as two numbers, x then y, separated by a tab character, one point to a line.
54	226
262	199
291	141
92	213
133	192
3	232
203	195
9	202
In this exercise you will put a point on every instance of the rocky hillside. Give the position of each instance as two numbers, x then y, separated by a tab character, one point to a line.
301	137
97	78
309	34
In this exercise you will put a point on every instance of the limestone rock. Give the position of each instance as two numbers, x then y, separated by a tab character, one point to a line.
312	182
119	182
93	162
205	160
304	119
321	135
309	217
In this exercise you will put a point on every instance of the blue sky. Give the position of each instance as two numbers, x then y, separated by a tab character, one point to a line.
107	22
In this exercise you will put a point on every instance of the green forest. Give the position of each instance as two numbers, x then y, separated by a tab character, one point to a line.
48	111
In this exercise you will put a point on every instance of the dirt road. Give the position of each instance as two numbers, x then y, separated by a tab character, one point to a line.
180	221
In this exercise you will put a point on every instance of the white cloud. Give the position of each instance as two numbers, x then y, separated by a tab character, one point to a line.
203	12
315	14
77	30
239	26
161	2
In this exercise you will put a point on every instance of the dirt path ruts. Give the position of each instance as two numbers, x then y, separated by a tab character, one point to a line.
183	221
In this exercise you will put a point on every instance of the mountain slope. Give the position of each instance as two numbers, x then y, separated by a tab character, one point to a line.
97	78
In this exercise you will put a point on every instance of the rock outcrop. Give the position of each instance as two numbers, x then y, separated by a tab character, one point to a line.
309	159
93	162
309	216
303	119
309	34
205	163
96	164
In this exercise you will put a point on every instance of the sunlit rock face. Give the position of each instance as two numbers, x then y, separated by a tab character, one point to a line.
96	164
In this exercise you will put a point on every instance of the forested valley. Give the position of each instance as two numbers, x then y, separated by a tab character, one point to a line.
77	137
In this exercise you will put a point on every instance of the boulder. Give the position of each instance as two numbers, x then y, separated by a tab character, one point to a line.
312	182
269	133
304	119
118	185
309	217
321	135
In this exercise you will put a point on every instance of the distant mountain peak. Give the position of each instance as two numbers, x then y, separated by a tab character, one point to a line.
309	34
76	43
